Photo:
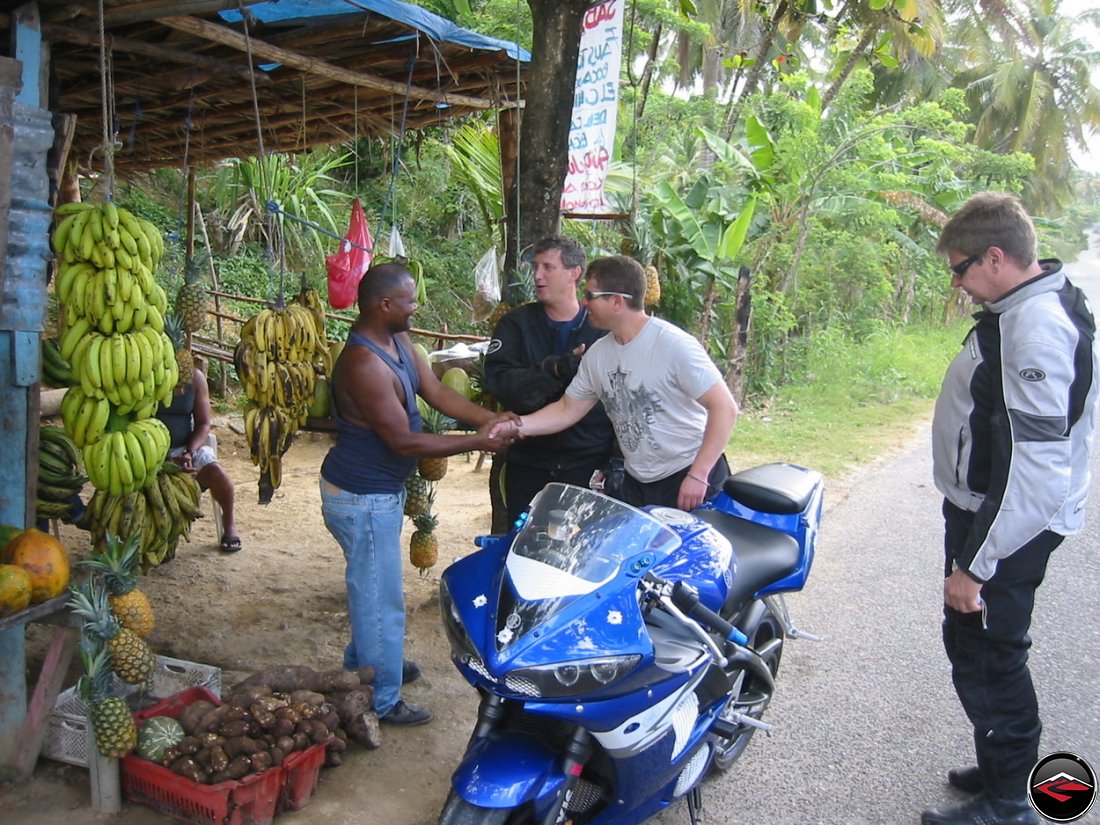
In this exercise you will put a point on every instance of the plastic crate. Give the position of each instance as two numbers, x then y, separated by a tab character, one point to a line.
66	738
301	773
249	801
253	800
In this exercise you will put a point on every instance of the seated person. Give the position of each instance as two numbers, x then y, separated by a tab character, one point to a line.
188	420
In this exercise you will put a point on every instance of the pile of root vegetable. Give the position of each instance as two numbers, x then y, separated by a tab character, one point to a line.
270	715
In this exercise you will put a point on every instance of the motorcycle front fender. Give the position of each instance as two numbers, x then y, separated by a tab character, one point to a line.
507	770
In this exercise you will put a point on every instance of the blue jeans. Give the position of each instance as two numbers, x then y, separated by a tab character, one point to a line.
368	528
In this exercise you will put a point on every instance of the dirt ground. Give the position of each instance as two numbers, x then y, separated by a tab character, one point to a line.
281	601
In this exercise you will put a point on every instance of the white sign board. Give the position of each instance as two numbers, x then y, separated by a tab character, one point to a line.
595	106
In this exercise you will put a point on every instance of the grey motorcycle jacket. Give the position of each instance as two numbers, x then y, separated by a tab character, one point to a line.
1013	424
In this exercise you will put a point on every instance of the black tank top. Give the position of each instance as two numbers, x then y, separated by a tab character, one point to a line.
179	416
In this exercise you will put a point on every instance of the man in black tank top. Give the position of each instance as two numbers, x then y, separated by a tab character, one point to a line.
375	383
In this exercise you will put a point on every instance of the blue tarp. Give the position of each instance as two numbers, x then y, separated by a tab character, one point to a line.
438	28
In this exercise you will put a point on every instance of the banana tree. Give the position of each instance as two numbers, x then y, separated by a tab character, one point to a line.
705	229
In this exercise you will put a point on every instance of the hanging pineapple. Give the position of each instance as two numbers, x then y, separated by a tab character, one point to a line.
174	329
418	495
433	421
652	285
191	298
424	545
131	658
112	721
118	564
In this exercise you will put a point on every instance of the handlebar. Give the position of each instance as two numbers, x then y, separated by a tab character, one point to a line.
685	597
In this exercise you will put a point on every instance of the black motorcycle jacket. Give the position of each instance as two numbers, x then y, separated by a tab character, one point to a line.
523	373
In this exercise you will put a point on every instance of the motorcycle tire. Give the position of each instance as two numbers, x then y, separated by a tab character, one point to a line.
727	751
457	811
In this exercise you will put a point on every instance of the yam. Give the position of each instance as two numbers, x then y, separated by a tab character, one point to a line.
332	758
366	675
308	697
277	755
191	715
261	761
301	741
337	744
186	766
246	695
263	717
283	727
285	744
212	720
239	745
219	759
353	705
238	767
328	716
231	730
331	680
188	745
283	678
365	730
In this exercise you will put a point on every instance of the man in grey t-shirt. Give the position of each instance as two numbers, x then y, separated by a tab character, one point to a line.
670	408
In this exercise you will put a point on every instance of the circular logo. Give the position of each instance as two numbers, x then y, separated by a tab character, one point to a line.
1062	787
1032	374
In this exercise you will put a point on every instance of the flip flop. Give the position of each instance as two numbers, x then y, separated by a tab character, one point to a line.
230	544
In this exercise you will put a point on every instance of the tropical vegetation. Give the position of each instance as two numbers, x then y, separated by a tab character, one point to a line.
786	165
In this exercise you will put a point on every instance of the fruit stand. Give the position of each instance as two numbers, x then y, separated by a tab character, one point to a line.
23	721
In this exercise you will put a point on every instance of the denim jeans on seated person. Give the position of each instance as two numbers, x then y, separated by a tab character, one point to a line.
368	528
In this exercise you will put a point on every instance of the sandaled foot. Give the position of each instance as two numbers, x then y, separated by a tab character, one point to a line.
230	544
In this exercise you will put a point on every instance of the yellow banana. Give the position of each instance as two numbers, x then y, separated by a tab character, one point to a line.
81	421
168	493
98	423
121	462
91	366
95	224
156	320
136	452
144	351
150	448
72	336
110	215
107	373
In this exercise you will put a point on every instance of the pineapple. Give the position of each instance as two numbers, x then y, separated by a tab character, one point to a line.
434	468
424	546
112	722
191	298
640	245
418	495
131	658
117	562
174	329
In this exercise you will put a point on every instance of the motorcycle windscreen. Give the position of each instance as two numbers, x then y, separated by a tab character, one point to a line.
575	540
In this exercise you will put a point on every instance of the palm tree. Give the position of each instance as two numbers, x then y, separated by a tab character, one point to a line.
1031	89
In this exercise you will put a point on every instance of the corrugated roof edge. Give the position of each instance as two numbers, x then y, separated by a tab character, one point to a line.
436	27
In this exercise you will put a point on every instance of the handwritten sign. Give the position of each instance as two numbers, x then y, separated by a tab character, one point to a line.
595	106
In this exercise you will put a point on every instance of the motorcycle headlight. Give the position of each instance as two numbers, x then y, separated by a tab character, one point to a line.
462	646
572	678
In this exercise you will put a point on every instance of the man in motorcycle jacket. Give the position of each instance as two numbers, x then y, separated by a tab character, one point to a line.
1011	437
671	409
534	354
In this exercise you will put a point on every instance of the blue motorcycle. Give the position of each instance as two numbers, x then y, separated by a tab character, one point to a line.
621	654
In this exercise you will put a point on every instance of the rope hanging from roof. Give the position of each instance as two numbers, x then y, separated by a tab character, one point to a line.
107	100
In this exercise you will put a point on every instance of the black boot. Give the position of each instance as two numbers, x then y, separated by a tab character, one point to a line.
984	811
967	780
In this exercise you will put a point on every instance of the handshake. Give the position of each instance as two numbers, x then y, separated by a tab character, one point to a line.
499	432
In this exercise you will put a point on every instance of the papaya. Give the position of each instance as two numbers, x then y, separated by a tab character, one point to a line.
46	561
334	350
322	402
457	379
15	588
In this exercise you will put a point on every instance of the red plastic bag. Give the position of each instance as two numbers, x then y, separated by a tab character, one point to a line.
346	267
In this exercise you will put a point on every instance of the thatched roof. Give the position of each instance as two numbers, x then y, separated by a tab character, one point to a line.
325	70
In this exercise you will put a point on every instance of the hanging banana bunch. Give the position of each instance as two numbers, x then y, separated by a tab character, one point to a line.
112	337
275	361
159	514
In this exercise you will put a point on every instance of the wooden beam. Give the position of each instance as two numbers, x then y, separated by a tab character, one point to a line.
228	37
152	9
68	34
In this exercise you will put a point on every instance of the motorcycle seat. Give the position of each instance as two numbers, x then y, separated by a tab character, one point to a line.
762	555
783	489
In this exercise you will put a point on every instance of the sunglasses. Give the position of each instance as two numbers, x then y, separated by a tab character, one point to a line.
591	296
960	268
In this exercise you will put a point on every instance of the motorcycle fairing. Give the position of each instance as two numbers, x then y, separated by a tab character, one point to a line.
507	770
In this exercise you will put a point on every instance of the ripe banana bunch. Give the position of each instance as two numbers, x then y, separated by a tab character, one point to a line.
57	372
275	361
59	475
135	371
159	514
127	460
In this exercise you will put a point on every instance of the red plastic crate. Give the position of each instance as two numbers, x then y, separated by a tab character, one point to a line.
249	801
301	772
253	800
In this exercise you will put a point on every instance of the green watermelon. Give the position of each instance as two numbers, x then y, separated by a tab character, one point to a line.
156	735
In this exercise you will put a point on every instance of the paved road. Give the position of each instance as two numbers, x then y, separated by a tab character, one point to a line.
867	721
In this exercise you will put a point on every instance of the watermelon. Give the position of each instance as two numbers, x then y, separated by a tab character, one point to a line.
157	734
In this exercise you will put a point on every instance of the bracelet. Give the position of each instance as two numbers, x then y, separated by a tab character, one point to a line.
700	480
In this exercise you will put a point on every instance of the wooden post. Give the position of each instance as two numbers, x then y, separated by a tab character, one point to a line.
103	773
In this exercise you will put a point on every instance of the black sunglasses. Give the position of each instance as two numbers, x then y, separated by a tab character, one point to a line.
960	268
